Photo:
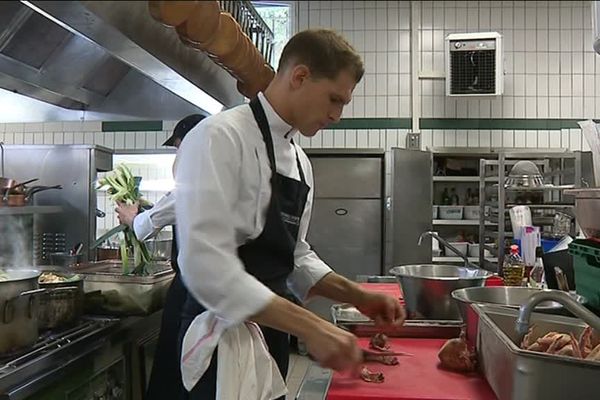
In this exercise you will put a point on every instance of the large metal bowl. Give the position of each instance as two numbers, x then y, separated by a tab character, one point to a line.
511	297
427	289
587	207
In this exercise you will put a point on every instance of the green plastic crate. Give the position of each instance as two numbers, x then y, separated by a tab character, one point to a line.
586	265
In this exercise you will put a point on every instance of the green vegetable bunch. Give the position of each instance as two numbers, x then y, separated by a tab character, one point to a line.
122	187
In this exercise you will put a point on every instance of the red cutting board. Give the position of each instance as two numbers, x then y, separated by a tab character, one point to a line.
393	289
417	377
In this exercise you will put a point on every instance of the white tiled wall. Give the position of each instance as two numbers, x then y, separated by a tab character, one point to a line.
550	64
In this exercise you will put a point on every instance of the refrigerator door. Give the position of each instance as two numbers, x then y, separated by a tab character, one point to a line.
411	205
347	177
347	235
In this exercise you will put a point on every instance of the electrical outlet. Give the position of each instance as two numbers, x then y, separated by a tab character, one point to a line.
413	141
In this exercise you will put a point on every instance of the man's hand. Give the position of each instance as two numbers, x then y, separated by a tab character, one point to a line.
127	212
381	308
333	347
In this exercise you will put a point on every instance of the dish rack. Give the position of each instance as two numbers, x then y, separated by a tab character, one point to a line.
560	170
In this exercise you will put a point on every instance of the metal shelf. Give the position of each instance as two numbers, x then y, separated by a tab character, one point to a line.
458	259
453	222
462	179
26	210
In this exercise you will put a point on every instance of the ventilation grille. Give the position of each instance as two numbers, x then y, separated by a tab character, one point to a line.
473	72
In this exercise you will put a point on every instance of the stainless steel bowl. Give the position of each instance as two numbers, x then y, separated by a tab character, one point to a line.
427	289
587	207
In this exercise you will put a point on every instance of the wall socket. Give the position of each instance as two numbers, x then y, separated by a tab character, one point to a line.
413	141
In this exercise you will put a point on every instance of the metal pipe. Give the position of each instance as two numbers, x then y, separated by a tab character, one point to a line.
2	151
522	325
415	65
448	245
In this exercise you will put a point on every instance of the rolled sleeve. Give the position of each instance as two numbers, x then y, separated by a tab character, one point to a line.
148	223
207	182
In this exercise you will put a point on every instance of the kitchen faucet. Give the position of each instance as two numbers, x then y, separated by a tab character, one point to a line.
560	297
447	245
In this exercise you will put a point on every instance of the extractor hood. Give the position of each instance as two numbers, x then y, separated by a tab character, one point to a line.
103	59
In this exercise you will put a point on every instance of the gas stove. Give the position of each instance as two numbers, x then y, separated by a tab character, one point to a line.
53	349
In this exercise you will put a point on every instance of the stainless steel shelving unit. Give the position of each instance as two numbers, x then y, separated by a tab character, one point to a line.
561	170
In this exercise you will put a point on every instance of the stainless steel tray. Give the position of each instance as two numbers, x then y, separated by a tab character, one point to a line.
348	317
109	292
516	374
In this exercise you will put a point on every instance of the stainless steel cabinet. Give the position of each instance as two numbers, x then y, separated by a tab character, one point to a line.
346	228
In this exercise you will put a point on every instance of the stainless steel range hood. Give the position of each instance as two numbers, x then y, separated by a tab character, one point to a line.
109	59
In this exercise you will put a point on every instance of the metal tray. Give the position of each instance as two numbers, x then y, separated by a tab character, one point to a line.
516	374
109	292
348	317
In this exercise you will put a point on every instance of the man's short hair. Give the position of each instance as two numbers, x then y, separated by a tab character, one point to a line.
325	52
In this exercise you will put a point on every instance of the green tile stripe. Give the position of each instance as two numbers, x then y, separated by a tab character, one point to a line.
457	123
372	123
122	126
498	123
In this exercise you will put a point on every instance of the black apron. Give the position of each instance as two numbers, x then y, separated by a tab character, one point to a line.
165	379
269	257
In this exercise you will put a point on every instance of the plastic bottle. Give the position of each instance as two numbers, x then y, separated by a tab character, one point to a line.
445	197
454	197
513	268
536	276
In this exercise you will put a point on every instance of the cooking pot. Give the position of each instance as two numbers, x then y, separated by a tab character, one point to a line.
19	308
21	199
61	304
428	288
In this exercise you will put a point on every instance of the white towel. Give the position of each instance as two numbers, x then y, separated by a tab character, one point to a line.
245	369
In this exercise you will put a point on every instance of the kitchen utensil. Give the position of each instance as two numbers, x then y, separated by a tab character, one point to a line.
20	187
520	216
516	374
587	208
530	240
21	199
371	352
226	37
427	288
109	292
524	174
202	23
62	304
592	137
18	309
76	250
172	13
65	260
561	226
462	247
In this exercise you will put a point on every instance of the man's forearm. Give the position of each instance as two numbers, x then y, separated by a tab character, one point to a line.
286	316
338	288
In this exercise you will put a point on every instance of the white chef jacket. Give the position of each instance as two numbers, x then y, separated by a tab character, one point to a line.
148	223
223	191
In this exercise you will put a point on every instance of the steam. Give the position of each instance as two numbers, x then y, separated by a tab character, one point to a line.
16	242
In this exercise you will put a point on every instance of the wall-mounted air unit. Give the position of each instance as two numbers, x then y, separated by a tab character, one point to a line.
474	64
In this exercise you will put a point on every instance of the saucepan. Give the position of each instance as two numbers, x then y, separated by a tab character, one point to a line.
21	199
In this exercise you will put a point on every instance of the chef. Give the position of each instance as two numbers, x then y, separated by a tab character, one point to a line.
165	379
244	199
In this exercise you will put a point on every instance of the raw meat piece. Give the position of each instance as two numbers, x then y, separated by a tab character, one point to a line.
373	377
379	342
455	355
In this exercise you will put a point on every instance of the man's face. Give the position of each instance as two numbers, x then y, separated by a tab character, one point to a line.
320	102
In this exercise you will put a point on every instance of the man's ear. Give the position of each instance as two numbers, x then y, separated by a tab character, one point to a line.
299	74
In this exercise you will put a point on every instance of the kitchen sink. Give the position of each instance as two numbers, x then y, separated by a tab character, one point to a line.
516	374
